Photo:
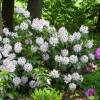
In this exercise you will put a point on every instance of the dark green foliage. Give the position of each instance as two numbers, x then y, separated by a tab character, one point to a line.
92	80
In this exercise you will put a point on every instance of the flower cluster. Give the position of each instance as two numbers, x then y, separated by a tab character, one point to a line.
37	43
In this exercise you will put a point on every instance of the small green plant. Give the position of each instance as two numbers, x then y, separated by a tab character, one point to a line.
46	94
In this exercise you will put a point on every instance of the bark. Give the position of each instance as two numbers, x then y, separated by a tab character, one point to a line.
0	19
35	8
7	13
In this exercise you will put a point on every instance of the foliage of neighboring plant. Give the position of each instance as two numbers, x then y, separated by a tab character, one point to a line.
46	94
70	13
37	55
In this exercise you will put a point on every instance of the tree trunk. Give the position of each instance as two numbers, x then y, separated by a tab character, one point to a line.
98	23
7	13
0	19
35	8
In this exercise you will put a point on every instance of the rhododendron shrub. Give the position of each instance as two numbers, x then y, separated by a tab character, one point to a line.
35	44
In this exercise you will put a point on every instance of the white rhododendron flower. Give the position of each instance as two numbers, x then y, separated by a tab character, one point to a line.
28	67
84	29
34	49
24	26
0	56
71	38
73	59
72	86
21	61
7	47
16	81
54	73
6	32
0	38
44	47
89	44
58	58
32	84
6	40
84	58
37	24
24	79
17	28
45	57
18	47
92	56
62	30
5	53
53	41
77	48
75	76
45	22
12	56
64	52
39	40
77	35
67	78
65	60
63	37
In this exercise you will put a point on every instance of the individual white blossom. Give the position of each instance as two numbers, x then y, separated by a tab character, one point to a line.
6	32
37	24
58	58
6	40
7	47
10	67
48	82
39	40
62	30
14	35
54	73
0	38
77	35
70	38
26	14
72	86
45	57
64	52
5	53
0	56
19	10
45	22
75	76
28	41
65	60
34	49
73	59
23	26
63	37
16	81
32	84
21	61
24	79
12	56
84	29
77	48
44	47
89	44
28	67
17	28
53	41
18	47
84	58
67	78
91	56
